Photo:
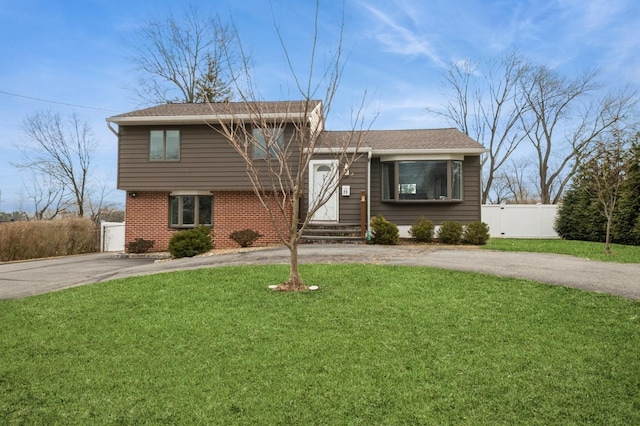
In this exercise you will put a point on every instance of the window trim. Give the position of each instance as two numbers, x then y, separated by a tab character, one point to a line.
396	182
164	145
196	209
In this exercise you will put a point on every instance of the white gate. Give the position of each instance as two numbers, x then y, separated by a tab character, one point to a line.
111	236
520	220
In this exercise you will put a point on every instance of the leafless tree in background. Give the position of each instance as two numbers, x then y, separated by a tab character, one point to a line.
278	178
62	150
184	59
512	183
562	121
46	195
484	102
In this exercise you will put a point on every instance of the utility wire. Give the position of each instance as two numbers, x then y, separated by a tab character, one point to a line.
54	102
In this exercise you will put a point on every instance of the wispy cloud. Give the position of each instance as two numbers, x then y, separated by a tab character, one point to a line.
401	39
593	14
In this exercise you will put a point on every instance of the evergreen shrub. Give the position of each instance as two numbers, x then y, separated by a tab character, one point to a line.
476	233
384	232
422	230
190	242
450	232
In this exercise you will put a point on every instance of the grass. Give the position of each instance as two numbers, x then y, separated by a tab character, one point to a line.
375	345
594	251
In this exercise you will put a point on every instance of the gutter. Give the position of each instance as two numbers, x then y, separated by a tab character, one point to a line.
199	119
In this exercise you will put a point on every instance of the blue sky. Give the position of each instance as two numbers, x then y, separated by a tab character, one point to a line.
74	54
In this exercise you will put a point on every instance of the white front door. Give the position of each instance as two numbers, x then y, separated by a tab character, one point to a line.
322	181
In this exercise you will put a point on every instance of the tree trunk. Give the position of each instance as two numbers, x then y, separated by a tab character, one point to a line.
607	240
294	283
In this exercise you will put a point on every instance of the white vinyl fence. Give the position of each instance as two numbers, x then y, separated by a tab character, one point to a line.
111	236
520	220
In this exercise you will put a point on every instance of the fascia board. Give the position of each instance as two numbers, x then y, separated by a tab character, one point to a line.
338	150
438	151
199	119
397	153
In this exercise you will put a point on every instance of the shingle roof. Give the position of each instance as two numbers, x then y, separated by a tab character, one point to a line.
218	108
376	140
420	139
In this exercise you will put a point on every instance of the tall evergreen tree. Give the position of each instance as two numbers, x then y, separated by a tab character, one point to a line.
626	223
580	213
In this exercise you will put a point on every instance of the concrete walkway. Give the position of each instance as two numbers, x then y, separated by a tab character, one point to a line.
28	278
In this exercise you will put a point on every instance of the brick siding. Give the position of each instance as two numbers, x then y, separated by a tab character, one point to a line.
147	216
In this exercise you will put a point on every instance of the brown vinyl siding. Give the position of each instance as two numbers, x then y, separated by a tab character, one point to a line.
405	213
357	179
207	161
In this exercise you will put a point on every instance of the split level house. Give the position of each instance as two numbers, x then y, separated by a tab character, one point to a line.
180	171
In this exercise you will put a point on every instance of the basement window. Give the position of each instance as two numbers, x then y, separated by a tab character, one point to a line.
188	211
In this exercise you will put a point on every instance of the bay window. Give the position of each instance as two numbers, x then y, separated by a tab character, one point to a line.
422	180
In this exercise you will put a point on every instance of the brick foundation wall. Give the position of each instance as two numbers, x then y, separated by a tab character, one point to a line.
233	211
147	216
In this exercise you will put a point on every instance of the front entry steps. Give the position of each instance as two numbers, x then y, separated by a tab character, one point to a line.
332	233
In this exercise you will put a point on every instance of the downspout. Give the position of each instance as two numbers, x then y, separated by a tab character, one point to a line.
112	129
369	155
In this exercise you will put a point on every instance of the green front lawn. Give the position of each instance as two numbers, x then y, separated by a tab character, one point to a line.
594	251
375	345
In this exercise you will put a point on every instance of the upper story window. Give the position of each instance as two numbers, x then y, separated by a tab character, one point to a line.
428	180
187	211
164	145
268	142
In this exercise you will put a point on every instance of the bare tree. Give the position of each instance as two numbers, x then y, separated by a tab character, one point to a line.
46	195
512	184
184	59
99	203
608	169
62	150
278	174
485	104
562	122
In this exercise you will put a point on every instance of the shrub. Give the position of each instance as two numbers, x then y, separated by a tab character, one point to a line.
140	245
476	233
245	237
48	238
422	230
450	232
190	242
384	232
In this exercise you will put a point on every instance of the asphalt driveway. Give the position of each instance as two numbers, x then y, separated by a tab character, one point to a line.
23	279
27	278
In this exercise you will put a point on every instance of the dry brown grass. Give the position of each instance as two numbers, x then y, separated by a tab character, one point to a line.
47	238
